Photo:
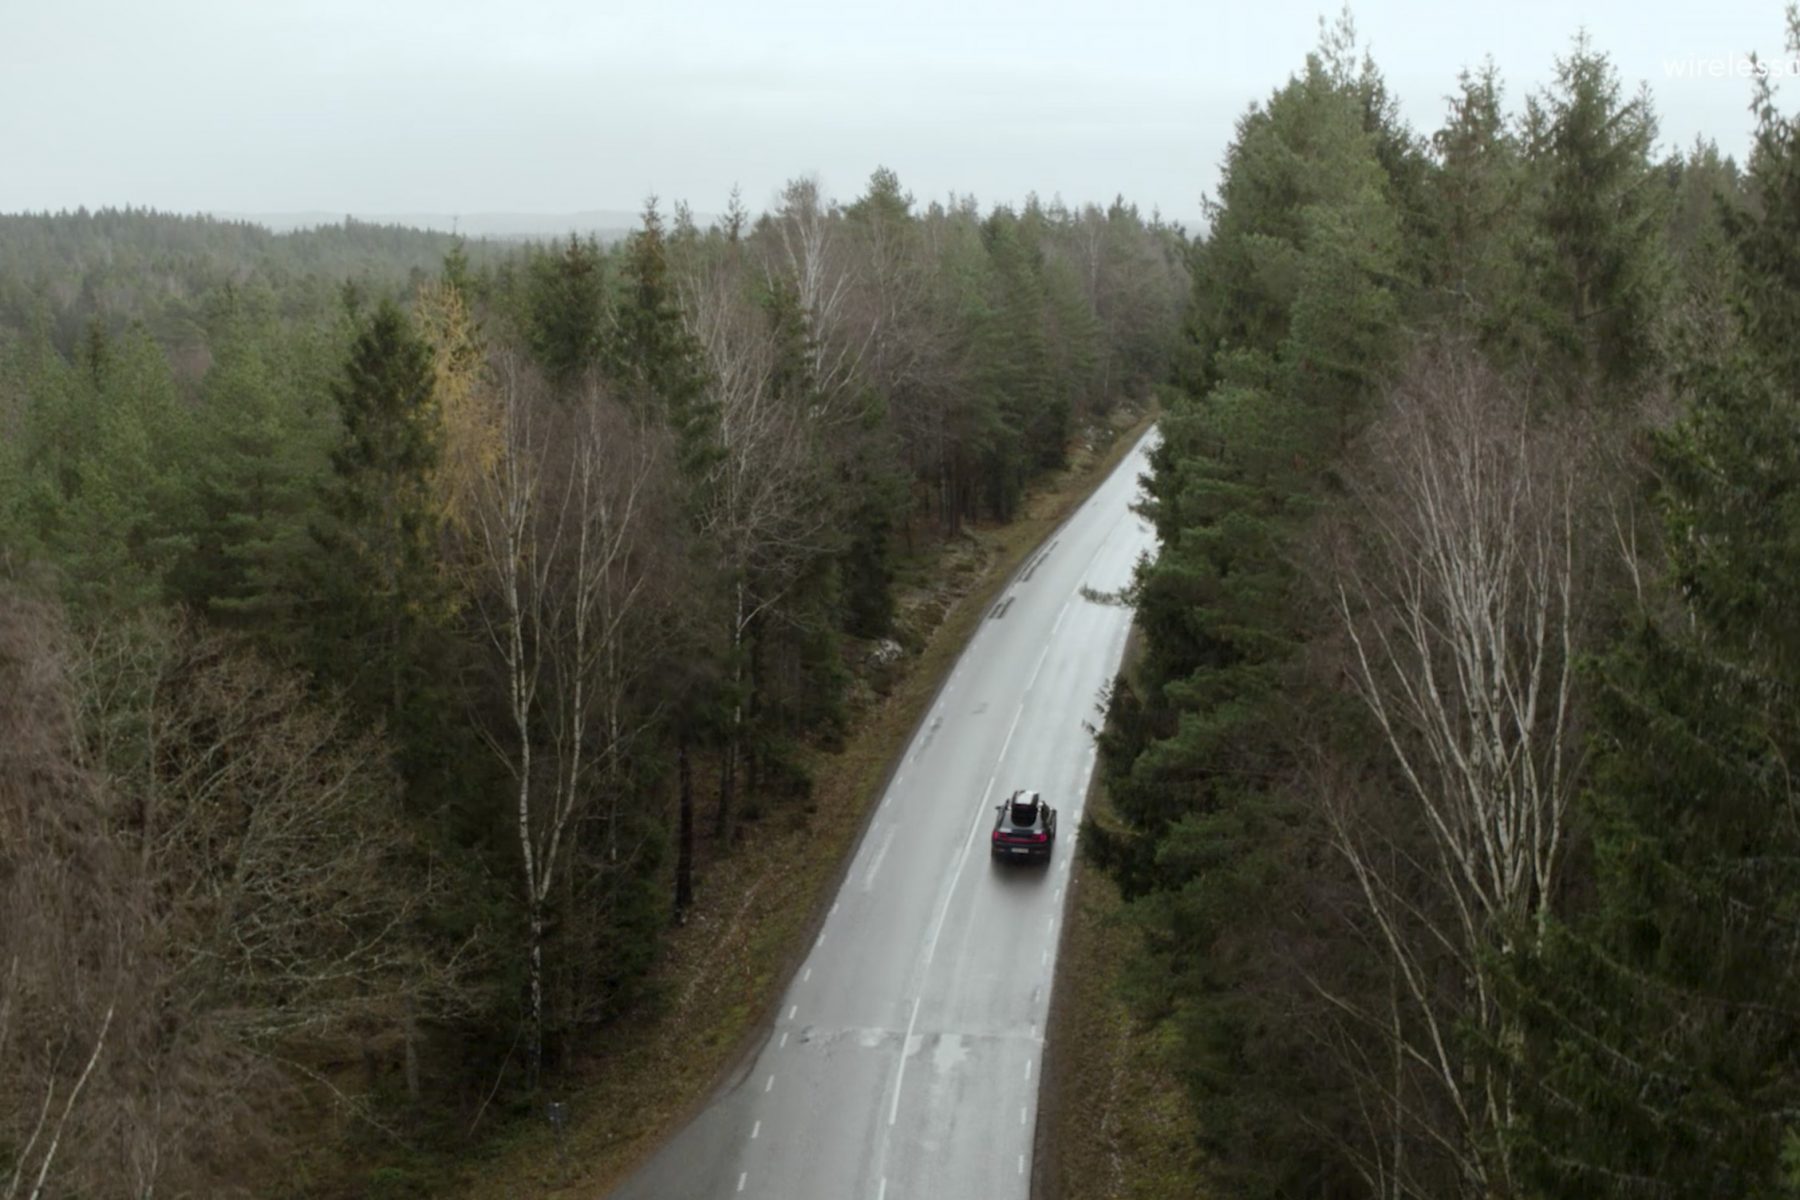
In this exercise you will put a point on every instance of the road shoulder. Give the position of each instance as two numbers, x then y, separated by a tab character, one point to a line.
1113	1122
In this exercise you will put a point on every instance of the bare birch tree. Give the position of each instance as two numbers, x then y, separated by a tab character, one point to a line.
810	254
765	508
1460	604
560	568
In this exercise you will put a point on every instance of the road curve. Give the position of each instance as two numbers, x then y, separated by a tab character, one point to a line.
903	1063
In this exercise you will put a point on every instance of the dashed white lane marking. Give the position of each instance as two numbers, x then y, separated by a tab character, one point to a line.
741	1178
784	1041
1042	655
905	1047
1028	1068
968	843
806	975
769	1085
881	1193
1021	1114
833	911
792	1009
1050	925
754	1130
1009	736
1021	1164
880	855
1045	960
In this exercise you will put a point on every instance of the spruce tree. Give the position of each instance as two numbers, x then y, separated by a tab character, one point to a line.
379	594
1598	270
565	307
1294	320
1666	1013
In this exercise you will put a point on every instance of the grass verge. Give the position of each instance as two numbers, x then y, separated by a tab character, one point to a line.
758	908
1113	1122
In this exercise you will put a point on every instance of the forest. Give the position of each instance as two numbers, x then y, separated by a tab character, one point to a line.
1451	793
393	629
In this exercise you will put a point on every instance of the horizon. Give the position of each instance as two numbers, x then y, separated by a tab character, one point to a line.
555	109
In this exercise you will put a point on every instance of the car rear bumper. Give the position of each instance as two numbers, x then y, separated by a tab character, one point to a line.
1014	852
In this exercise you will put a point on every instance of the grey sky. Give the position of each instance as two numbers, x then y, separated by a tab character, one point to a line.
555	106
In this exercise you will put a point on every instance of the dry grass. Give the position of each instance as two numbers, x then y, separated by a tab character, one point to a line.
1113	1122
758	908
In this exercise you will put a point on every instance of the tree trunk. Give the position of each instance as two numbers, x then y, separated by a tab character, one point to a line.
734	739
728	779
410	1035
684	850
534	1052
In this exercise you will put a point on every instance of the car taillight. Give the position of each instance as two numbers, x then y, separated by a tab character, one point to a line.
1040	837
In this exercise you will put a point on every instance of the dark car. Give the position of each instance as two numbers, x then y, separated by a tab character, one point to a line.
1025	828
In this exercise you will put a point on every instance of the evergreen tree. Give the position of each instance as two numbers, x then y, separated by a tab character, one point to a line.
649	352
1294	319
565	308
379	594
1597	266
1667	1012
107	475
263	445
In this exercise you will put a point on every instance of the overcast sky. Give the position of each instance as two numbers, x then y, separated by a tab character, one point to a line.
553	106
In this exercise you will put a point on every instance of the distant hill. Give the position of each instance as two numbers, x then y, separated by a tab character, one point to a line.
59	271
605	224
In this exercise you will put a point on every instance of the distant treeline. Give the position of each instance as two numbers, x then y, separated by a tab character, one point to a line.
62	273
393	630
1455	790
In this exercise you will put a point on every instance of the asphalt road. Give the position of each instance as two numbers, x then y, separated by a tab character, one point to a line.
904	1059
